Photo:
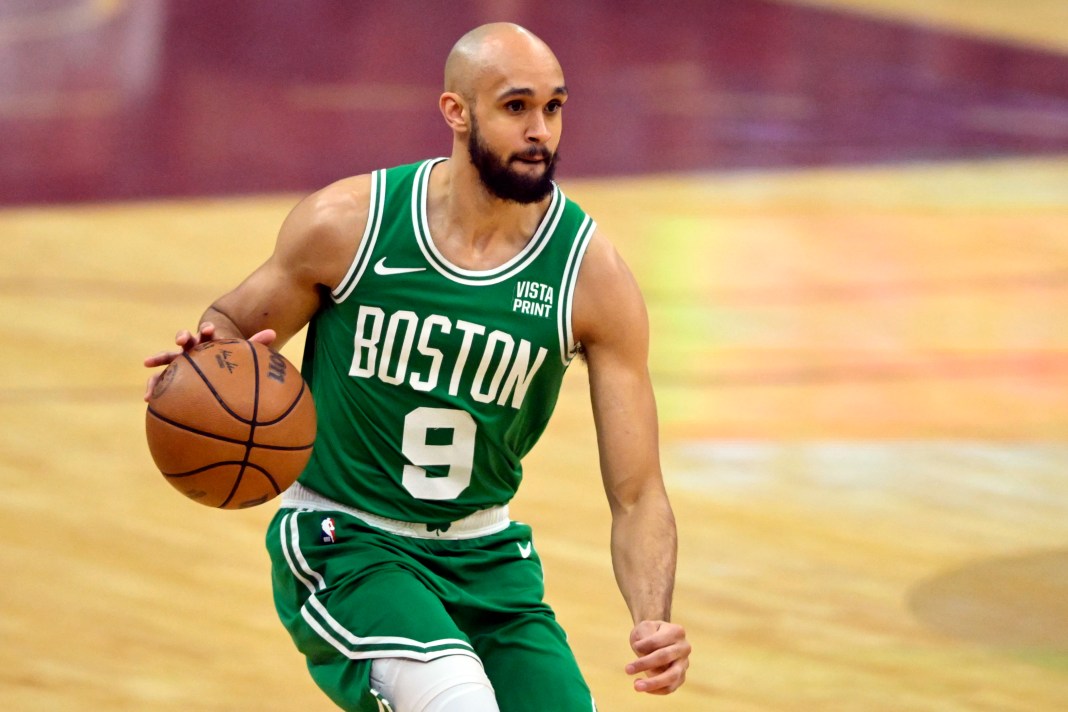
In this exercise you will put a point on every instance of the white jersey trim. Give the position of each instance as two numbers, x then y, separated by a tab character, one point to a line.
568	345
375	209
509	269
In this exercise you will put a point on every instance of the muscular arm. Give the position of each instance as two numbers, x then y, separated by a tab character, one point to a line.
315	246
611	322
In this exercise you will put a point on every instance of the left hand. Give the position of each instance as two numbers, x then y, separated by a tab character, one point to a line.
664	656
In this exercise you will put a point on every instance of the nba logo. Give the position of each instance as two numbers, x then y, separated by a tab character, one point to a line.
328	531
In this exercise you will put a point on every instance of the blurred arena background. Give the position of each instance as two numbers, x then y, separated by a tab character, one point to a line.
850	220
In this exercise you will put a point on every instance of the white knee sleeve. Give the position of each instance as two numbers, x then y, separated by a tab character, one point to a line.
454	683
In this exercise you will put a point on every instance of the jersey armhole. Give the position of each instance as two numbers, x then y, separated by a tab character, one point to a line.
375	208
568	345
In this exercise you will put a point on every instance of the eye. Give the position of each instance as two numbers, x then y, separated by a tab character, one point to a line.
515	106
554	106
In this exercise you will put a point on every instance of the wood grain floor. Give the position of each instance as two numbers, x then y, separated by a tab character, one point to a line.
863	383
862	378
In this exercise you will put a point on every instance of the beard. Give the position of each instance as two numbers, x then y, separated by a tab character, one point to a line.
498	177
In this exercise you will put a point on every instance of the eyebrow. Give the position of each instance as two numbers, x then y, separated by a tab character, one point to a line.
527	92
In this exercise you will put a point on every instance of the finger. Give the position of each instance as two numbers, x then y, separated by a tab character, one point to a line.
643	630
646	640
664	681
655	661
188	341
161	359
183	339
265	337
206	332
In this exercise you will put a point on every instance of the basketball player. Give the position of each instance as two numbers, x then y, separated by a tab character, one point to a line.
445	300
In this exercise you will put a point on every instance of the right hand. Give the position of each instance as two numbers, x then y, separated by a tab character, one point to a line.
188	341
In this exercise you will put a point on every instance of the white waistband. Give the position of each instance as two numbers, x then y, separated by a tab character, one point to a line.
481	523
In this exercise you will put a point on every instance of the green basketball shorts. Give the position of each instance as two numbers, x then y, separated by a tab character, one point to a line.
349	592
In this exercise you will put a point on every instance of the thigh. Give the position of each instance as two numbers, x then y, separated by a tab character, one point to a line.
352	597
532	667
523	648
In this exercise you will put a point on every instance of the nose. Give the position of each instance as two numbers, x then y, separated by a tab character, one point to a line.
538	130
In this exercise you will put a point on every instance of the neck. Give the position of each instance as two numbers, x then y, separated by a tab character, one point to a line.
472	223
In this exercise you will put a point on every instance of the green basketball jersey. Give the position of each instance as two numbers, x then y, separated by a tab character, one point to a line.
431	381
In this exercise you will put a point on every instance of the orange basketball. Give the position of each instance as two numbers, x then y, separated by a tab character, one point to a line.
231	424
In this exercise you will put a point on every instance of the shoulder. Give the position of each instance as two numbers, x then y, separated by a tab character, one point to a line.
322	232
338	207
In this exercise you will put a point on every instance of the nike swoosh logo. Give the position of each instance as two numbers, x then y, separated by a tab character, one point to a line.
380	268
524	551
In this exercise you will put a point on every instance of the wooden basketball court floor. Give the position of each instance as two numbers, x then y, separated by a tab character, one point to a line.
863	383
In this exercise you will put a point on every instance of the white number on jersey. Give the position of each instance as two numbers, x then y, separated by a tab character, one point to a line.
459	455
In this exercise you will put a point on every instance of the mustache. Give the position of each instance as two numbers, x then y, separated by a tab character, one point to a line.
534	153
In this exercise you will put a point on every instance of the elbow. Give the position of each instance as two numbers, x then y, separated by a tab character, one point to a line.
639	495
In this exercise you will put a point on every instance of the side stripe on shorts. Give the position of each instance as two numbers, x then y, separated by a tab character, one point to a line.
298	565
333	632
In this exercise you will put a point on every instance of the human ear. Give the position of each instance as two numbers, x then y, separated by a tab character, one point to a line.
456	111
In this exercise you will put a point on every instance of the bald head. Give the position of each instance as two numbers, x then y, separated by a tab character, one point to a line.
492	51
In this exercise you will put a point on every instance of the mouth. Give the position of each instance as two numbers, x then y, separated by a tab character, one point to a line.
533	159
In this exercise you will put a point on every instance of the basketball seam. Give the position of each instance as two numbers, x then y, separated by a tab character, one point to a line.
252	425
223	438
292	406
219	398
259	468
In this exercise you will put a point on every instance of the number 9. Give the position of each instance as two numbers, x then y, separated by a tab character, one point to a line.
459	455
